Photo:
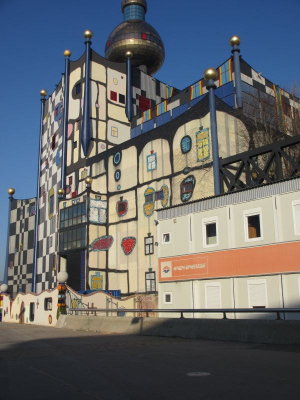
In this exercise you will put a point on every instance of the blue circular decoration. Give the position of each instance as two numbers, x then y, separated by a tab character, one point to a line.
58	112
186	144
119	187
117	175
117	158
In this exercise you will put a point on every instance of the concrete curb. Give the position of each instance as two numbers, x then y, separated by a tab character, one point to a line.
250	331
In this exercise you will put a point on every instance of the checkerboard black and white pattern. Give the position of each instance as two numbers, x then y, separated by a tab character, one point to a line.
146	86
50	182
21	245
258	81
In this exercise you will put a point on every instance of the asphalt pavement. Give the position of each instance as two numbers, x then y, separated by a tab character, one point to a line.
40	363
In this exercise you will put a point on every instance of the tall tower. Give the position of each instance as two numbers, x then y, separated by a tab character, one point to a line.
138	37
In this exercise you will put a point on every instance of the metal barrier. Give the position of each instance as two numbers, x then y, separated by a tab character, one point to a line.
181	311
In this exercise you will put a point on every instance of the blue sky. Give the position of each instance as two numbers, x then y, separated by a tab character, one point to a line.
35	33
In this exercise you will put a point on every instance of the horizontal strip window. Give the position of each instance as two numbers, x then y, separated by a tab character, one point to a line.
73	215
72	239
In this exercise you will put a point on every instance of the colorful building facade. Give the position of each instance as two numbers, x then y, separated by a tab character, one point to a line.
116	144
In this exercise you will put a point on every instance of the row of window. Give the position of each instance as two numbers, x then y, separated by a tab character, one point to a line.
253	227
256	288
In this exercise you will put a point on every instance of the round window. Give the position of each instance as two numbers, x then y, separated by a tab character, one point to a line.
117	175
186	144
117	158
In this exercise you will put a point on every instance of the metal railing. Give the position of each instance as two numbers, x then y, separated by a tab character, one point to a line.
182	311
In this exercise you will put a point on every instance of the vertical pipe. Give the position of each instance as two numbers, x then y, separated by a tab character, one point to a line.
128	107
86	129
11	192
43	94
67	54
210	76
235	41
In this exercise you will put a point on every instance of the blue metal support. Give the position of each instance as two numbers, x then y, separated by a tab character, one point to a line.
237	75
5	278
86	126
37	205
128	107
210	84
67	54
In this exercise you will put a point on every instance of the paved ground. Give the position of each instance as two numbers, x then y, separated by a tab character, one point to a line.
40	363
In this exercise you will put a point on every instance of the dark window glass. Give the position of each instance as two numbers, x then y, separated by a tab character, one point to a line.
253	226
211	233
72	239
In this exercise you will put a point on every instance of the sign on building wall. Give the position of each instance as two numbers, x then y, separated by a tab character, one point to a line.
98	211
202	140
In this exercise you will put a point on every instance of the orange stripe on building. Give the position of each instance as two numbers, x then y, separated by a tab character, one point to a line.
271	259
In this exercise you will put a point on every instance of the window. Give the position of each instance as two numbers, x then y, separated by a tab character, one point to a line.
117	175
121	98
186	144
149	242
48	304
253	225
168	297
71	239
113	96
151	162
53	142
210	232
296	216
166	238
114	131
257	293
117	158
31	312
213	295
150	282
78	89
73	215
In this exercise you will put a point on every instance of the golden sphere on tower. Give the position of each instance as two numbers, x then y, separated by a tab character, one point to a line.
88	34
234	40
67	53
210	73
61	191
43	93
11	191
128	54
88	180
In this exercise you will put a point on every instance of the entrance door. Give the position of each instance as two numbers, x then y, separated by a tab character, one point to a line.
76	270
22	312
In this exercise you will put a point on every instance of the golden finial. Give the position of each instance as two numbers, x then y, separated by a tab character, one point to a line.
61	192
88	180
210	73
88	34
11	191
43	93
234	40
128	54
67	53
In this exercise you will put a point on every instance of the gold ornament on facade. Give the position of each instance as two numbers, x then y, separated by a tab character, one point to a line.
61	192
88	180
11	191
67	53
234	40
210	73
43	93
88	34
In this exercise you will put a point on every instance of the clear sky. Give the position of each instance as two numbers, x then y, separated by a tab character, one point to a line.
34	34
